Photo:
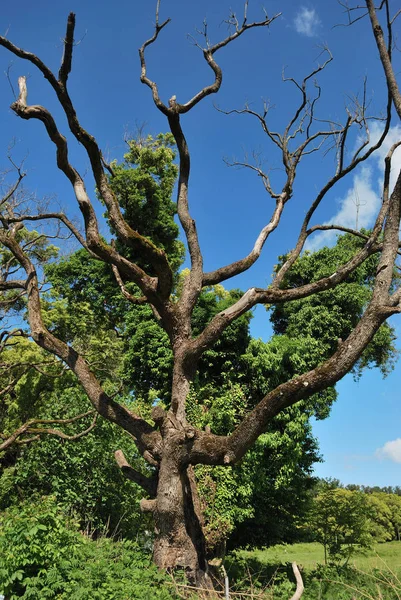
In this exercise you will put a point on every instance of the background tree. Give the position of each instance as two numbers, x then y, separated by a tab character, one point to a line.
340	520
173	446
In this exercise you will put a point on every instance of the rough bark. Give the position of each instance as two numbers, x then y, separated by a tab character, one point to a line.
179	539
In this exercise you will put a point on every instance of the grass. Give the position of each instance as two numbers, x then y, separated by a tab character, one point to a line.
311	554
373	576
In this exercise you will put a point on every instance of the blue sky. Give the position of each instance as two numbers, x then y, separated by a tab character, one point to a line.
229	205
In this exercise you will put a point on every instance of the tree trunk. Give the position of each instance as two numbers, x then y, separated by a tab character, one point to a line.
179	541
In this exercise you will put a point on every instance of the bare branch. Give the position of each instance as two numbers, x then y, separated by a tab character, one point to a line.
193	285
59	216
385	54
93	239
208	56
13	188
290	159
125	292
65	68
31	428
295	253
144	77
208	52
337	228
149	484
397	14
348	10
126	234
302	88
300	584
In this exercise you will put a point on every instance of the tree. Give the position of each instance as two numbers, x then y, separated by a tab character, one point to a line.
172	446
340	521
232	375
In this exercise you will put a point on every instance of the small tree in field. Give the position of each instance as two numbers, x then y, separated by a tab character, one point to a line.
169	443
340	521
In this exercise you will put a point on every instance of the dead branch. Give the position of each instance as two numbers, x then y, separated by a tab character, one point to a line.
290	160
125	233
65	68
59	216
149	484
208	52
125	292
300	584
30	427
385	52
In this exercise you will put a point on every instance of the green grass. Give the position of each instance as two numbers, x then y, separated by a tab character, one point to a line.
377	574
309	555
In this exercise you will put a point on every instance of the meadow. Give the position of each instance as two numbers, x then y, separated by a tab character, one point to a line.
266	573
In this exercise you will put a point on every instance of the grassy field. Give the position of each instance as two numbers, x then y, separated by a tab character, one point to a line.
373	576
382	556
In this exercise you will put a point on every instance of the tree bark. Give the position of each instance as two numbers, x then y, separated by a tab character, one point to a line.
179	541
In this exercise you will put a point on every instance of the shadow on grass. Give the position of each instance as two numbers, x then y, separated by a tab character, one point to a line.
330	582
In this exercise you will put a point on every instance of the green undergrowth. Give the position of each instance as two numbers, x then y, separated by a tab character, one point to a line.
375	575
43	555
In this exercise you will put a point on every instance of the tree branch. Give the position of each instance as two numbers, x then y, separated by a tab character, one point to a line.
125	292
125	233
208	52
59	216
290	160
385	53
149	484
65	68
300	584
147	438
30	427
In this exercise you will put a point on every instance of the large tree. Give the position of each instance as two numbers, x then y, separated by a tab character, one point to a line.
144	267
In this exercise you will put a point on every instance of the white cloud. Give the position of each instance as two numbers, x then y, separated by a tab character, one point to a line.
361	203
393	136
366	190
307	22
391	450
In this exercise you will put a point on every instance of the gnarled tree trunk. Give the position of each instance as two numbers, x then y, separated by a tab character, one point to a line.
179	539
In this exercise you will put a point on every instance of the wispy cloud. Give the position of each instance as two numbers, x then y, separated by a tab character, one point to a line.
356	209
307	22
391	450
393	136
359	206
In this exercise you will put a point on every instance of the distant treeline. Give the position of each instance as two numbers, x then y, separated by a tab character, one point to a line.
355	487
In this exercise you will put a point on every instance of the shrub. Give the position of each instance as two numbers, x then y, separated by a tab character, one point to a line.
43	555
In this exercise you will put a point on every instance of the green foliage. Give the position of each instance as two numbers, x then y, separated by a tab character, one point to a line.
28	373
144	184
381	526
374	574
130	354
340	521
331	315
42	555
148	359
393	504
82	475
33	538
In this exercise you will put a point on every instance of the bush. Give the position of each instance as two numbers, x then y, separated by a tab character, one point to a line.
43	555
